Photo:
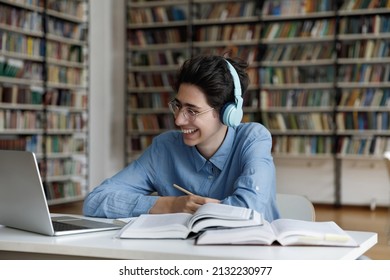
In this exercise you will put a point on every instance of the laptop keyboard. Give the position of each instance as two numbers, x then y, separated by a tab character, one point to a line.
59	226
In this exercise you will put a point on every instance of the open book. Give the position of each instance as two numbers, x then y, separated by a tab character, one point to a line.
283	231
180	225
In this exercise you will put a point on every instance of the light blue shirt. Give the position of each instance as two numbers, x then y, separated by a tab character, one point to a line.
240	173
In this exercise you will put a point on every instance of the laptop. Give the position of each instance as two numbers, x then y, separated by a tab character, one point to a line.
23	203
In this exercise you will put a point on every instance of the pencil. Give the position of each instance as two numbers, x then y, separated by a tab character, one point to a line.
182	189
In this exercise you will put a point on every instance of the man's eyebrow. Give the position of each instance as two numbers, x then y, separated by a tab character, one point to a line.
187	104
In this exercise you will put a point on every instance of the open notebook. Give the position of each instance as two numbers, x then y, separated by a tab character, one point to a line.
23	203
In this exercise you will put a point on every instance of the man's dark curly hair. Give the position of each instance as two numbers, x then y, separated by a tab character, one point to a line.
210	73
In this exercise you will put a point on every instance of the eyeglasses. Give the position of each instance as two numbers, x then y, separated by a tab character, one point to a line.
188	113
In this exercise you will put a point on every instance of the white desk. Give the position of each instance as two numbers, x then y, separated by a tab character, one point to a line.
25	245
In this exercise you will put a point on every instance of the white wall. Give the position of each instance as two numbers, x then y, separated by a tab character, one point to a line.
107	82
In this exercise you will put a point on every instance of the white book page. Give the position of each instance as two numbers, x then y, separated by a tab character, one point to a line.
150	225
223	211
290	231
262	235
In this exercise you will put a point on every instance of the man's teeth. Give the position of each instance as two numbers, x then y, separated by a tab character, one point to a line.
187	131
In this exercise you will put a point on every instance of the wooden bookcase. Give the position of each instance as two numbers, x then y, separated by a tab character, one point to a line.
157	43
44	90
319	82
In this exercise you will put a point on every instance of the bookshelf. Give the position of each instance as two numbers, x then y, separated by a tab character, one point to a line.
44	90
157	43
232	28
362	110
319	82
298	93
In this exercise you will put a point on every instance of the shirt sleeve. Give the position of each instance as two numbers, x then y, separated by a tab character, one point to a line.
126	194
255	187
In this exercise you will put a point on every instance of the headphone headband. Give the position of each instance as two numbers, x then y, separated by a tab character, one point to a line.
231	113
236	83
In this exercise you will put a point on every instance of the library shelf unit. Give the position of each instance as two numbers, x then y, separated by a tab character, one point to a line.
362	112
297	93
157	43
44	90
304	59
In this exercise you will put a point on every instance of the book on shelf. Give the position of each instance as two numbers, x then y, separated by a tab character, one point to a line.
284	232
182	225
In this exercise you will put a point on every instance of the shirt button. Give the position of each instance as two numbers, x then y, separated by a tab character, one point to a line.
210	177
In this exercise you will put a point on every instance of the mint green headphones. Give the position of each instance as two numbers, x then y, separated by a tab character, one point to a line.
232	113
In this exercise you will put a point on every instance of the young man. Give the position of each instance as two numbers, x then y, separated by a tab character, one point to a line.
212	155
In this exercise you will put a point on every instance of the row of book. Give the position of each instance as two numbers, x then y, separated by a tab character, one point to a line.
323	145
251	99
162	57
32	143
223	11
70	7
63	120
296	7
66	75
250	54
20	120
137	143
283	122
63	190
65	144
34	3
66	98
63	51
373	24
64	167
378	121
298	28
66	29
150	100
21	18
359	73
363	145
145	80
296	74
228	32
157	14
360	97
350	5
156	36
302	52
296	98
32	95
150	122
27	119
323	122
176	57
302	145
365	49
302	7
16	94
21	44
364	73
16	68
54	144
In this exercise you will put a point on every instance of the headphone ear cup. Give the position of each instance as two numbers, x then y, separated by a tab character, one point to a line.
231	115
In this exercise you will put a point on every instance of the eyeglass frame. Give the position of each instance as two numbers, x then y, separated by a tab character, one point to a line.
188	113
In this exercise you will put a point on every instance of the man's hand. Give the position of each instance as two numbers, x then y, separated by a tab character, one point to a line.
177	204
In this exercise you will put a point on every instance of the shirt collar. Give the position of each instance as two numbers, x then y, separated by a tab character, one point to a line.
220	157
